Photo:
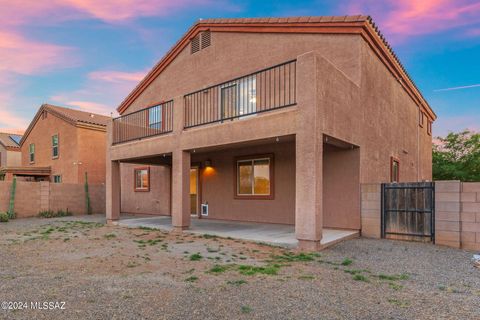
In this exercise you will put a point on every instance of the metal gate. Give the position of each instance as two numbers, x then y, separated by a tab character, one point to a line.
408	210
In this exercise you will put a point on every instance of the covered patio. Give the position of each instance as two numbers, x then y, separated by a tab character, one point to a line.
270	233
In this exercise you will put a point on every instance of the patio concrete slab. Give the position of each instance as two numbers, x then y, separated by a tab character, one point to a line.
274	234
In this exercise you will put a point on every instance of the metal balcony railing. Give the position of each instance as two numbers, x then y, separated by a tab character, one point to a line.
264	90
144	123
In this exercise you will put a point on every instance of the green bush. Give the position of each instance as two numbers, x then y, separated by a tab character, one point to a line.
53	214
3	217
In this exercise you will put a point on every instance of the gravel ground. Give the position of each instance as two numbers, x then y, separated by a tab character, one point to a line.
108	272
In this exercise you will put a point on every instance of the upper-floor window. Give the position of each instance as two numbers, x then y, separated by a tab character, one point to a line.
429	127
238	98
57	179
55	146
421	118
142	179
254	176
31	152
155	117
394	170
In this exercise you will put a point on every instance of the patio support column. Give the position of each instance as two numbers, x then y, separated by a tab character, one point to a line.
113	191
309	156
180	189
112	182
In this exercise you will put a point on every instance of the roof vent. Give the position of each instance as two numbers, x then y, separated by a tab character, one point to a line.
206	39
195	44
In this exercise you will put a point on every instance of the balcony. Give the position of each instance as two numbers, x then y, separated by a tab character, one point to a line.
144	123
264	90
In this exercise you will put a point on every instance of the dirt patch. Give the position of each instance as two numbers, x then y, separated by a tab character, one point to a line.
113	272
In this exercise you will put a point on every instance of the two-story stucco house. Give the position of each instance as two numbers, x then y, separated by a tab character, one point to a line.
275	120
61	145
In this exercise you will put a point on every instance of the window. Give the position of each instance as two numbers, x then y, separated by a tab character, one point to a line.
155	117
31	151
394	170
142	179
55	146
239	98
57	179
429	127
421	118
254	177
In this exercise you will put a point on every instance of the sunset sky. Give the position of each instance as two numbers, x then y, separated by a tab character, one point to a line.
89	54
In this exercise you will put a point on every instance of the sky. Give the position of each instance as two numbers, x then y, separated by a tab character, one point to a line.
89	54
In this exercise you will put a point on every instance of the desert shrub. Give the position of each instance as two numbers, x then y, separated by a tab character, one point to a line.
54	214
3	217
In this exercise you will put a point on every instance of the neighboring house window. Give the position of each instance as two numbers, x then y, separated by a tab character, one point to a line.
394	170
57	179
238	98
429	127
421	119
155	117
254	177
142	179
55	146
31	151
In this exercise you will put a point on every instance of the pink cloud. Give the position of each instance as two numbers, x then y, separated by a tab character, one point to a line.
117	76
400	19
24	56
102	92
24	11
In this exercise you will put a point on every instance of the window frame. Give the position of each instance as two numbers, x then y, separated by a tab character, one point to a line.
31	153
429	127
421	120
57	146
161	113
135	188
59	176
392	161
271	158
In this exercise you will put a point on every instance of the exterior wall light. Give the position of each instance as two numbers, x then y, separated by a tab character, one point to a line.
208	163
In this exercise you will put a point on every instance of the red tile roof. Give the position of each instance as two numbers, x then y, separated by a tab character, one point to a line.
77	115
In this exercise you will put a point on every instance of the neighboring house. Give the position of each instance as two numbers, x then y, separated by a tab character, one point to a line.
10	155
61	144
275	120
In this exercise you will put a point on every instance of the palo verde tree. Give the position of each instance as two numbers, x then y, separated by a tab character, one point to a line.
457	157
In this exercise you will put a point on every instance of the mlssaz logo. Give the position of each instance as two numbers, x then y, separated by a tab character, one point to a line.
59	305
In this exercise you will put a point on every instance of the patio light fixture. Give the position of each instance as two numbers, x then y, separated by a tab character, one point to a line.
208	163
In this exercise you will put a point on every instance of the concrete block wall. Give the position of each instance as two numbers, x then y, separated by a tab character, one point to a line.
457	213
33	197
470	215
447	213
370	210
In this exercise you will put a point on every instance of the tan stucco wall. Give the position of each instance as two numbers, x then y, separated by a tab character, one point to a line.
235	54
91	152
33	197
14	158
154	202
9	158
76	145
217	187
341	184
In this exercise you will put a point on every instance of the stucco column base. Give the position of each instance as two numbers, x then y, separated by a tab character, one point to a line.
309	245
179	229
112	222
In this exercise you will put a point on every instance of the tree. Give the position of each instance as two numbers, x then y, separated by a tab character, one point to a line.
457	157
